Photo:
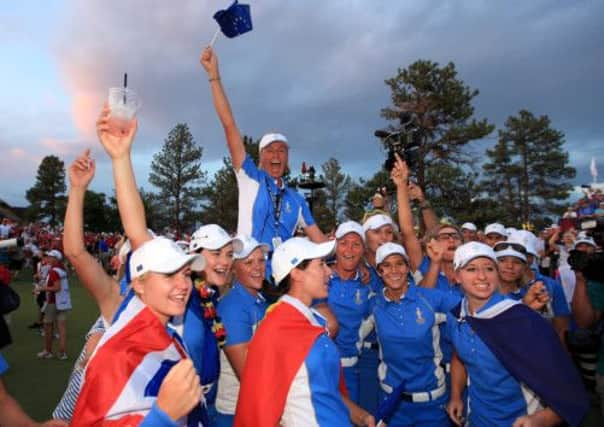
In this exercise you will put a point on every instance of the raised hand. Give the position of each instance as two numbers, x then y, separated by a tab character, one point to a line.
435	250
116	144
400	172
415	192
180	391
536	296
81	171
209	61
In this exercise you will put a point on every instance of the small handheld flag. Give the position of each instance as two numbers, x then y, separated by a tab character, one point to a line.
233	21
593	170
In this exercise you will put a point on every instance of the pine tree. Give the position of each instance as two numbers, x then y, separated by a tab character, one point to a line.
47	196
337	185
441	105
529	167
176	171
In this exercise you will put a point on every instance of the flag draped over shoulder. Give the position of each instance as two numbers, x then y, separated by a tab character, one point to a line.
235	20
123	377
277	350
528	347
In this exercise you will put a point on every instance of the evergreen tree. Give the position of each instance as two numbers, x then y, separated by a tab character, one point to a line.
529	168
176	171
337	185
361	192
47	196
96	212
441	105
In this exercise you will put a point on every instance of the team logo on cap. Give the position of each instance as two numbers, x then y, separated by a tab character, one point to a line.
139	268
293	261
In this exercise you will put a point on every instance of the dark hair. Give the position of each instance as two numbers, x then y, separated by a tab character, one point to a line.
284	285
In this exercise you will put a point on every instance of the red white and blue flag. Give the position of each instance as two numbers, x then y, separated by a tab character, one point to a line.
123	377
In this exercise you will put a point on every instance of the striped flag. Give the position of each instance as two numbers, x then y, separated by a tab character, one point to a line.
593	170
123	377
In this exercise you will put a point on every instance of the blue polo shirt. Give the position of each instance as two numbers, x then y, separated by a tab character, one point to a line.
241	312
495	397
314	396
409	335
443	284
258	194
3	365
349	301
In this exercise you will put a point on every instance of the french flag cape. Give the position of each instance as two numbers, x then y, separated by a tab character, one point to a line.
528	347
123	376
279	347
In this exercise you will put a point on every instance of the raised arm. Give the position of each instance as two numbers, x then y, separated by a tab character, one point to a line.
103	289
129	201
209	60
400	177
428	216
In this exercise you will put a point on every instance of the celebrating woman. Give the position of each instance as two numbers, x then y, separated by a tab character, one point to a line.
517	371
292	373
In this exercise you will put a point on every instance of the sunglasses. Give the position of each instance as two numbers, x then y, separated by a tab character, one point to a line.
507	245
443	237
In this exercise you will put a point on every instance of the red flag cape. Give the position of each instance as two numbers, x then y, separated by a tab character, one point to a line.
275	354
125	371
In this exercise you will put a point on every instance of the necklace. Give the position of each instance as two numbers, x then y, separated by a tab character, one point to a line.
210	315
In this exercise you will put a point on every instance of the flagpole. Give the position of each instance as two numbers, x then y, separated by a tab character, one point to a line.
214	37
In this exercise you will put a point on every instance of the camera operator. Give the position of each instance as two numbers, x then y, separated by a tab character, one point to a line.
588	300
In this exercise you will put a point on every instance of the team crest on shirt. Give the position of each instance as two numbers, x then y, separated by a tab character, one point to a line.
419	317
358	300
288	207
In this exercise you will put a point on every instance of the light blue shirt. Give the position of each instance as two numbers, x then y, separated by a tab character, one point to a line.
241	312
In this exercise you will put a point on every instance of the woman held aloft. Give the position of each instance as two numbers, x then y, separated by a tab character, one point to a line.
406	319
241	310
292	374
509	355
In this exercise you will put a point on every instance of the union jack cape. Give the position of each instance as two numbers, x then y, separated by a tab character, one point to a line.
122	379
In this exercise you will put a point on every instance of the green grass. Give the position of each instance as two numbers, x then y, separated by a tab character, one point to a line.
39	384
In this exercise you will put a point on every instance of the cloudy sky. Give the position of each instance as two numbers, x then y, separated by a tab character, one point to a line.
311	69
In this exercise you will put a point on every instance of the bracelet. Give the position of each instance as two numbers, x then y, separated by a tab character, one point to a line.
214	79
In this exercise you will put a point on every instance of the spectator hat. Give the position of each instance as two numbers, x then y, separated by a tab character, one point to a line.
376	221
469	226
495	228
55	254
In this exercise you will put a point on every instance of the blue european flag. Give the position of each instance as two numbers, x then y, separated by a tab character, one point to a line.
235	20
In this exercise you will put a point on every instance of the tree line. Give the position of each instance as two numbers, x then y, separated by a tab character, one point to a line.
524	177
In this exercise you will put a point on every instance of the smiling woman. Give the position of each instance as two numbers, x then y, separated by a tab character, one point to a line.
291	353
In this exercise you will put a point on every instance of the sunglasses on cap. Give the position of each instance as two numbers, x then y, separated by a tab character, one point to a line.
508	245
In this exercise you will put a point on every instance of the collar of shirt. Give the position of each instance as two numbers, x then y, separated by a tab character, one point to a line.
241	290
308	312
495	305
411	294
335	275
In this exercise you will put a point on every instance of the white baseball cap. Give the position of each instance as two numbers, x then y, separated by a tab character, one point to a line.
469	226
292	252
387	249
350	227
248	245
162	255
269	138
376	221
586	240
469	251
212	236
495	228
526	238
127	247
514	246
55	254
510	230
